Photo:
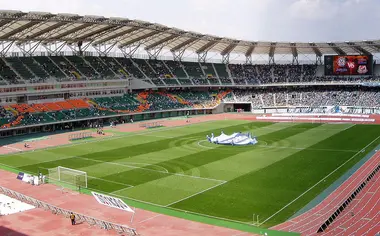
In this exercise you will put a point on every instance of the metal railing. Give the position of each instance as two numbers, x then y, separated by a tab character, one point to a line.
66	213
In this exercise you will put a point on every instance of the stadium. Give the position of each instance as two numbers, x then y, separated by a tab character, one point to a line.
91	128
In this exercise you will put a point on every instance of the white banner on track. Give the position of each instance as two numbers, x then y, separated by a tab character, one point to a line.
111	202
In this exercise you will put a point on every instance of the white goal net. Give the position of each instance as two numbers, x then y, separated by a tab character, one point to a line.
69	176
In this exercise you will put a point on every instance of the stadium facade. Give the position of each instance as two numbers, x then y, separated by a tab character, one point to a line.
62	71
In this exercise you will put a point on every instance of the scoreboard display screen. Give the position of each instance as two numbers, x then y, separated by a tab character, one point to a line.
348	65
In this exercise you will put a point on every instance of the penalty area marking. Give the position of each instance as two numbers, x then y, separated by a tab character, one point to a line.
320	181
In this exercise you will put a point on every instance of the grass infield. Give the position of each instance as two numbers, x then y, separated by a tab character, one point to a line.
176	170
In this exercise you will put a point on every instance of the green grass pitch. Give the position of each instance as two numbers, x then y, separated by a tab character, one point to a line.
177	168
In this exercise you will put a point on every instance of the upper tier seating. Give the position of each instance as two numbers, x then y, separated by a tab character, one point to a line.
42	69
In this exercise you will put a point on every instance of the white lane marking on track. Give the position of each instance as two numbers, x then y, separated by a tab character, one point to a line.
320	181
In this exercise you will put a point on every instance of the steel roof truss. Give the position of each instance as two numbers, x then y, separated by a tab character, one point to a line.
96	33
316	50
28	50
272	50
185	44
154	51
294	50
19	29
58	47
373	45
130	50
337	49
112	38
103	49
161	42
47	29
205	48
141	39
76	31
358	49
5	46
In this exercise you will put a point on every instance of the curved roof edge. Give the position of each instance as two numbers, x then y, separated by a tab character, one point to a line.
99	31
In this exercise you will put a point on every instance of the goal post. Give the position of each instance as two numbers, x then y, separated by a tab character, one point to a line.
69	176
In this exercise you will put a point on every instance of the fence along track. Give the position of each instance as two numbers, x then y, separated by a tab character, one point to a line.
60	211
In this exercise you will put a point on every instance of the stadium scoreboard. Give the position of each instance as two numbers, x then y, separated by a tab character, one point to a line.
348	65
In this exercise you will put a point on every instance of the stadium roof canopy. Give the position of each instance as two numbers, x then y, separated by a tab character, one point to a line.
98	31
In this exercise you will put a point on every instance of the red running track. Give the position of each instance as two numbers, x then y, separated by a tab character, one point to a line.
309	222
37	222
362	216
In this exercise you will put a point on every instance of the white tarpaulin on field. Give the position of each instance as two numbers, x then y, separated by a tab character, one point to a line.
111	202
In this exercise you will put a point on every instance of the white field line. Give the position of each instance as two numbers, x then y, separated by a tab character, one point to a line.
110	181
147	169
150	218
195	194
127	135
122	189
360	151
12	148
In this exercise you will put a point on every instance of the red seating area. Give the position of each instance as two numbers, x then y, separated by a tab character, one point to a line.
78	103
22	108
39	107
366	207
52	106
65	105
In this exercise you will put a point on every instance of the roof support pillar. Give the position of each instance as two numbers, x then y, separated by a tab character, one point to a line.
177	55
295	60
103	50
202	57
272	49
30	50
130	50
4	47
54	49
271	60
154	52
248	60
294	53
318	60
226	58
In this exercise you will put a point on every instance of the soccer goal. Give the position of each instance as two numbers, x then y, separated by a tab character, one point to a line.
69	176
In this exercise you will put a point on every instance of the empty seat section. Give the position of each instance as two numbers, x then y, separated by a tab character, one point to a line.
130	67
67	68
221	69
7	73
147	69
52	106
22	108
185	81
39	107
50	67
100	66
20	68
158	82
160	68
208	69
83	67
193	69
78	103
35	67
65	105
177	68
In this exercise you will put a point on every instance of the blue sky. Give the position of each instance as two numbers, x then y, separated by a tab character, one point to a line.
267	20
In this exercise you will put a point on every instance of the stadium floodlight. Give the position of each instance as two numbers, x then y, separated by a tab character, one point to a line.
69	176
